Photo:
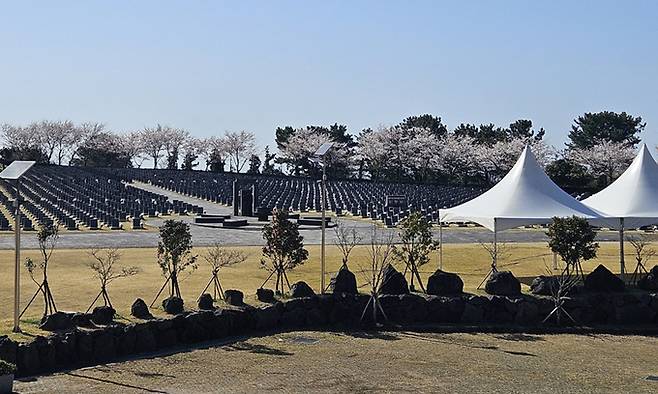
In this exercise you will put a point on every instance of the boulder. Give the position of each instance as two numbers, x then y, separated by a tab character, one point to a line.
265	295
206	302
650	281
57	321
602	280
344	282
393	282
444	283
503	283
103	315
8	349
140	310
80	319
104	346
544	285
234	297
301	289
27	359
173	305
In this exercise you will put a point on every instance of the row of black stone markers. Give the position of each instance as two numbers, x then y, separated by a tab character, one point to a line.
95	338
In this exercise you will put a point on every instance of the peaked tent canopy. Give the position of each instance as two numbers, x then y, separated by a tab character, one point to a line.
526	195
633	196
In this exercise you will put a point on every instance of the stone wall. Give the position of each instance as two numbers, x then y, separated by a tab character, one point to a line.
467	312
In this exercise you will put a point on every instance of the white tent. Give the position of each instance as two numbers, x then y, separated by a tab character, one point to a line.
526	195
632	199
633	196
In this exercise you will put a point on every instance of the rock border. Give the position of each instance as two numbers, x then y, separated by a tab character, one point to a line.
620	313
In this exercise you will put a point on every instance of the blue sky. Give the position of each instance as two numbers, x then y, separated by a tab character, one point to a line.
211	66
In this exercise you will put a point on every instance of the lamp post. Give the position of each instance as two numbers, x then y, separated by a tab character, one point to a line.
14	172
319	157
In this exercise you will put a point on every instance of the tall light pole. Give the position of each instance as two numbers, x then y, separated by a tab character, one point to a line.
319	157
14	172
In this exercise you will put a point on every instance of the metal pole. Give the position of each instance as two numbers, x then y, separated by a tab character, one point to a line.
440	244
622	263
17	253
322	268
495	246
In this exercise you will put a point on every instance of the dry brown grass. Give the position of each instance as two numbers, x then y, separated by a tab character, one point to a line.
382	362
74	287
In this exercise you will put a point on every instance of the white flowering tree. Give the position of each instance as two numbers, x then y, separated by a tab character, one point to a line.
495	160
152	140
193	149
240	146
174	139
421	154
607	159
373	150
456	159
214	154
22	137
132	144
298	150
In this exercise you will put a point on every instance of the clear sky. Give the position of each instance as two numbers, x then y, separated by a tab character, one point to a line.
211	66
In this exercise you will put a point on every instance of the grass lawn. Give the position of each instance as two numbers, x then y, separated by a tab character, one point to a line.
74	286
337	362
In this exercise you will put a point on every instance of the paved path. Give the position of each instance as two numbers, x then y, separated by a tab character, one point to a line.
251	235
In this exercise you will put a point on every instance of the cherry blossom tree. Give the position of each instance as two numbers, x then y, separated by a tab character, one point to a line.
298	150
173	141
214	154
421	154
193	149
153	141
606	159
21	137
70	144
132	144
240	146
385	152
456	160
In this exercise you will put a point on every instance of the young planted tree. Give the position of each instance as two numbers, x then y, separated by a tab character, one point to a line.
643	253
497	251
174	255
47	237
381	253
217	257
283	250
561	287
417	244
105	270
346	239
572	239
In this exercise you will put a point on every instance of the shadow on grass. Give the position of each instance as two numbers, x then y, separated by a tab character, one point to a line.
253	348
115	383
386	336
515	353
519	337
153	375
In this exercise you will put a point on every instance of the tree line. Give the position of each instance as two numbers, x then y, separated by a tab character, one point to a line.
419	148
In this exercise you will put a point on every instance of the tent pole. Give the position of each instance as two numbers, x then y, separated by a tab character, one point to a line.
495	247
440	244
622	263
